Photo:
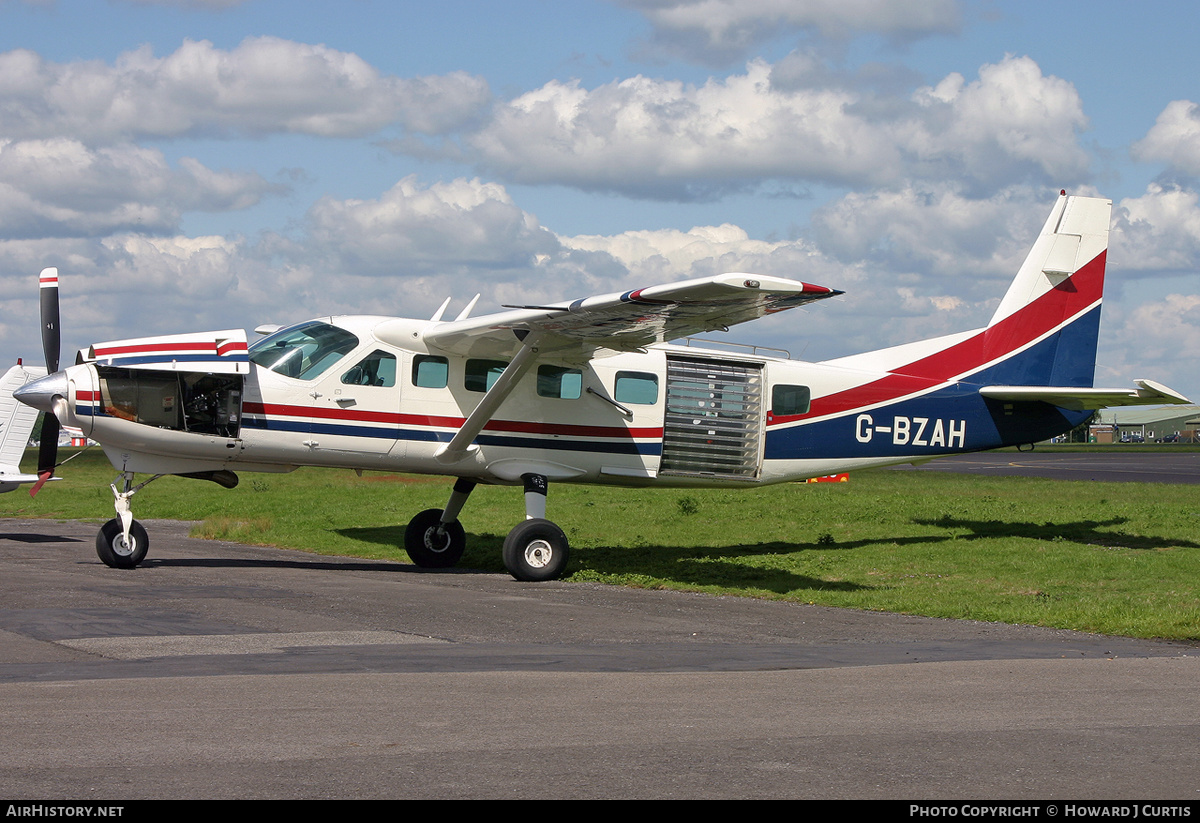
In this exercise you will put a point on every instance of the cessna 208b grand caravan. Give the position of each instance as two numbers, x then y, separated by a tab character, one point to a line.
586	392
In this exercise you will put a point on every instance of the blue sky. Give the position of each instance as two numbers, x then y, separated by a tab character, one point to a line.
214	164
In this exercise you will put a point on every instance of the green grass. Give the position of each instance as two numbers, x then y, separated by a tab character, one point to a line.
1114	448
1116	558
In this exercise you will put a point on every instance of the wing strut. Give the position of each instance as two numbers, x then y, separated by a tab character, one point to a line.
460	445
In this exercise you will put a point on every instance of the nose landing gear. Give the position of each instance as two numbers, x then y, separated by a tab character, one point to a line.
122	542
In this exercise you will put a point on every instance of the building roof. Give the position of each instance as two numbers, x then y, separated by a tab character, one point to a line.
1144	416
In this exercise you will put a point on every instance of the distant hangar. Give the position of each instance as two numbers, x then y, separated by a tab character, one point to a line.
1147	425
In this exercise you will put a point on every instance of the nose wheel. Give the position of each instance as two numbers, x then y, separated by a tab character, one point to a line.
122	542
118	552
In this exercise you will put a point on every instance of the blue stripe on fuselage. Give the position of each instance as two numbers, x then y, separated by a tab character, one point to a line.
425	435
956	418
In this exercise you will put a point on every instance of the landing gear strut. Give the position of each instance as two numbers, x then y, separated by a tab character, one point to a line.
122	542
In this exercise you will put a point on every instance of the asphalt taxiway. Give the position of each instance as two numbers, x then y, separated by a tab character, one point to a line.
1165	466
225	671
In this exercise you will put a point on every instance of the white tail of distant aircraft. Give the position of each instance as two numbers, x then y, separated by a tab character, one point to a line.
16	425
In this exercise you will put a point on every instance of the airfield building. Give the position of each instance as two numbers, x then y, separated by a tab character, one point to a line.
1166	424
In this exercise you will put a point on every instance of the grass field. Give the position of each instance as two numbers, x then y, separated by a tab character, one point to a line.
1116	558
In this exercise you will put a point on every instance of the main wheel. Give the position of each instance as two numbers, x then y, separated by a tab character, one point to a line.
536	550
112	549
432	544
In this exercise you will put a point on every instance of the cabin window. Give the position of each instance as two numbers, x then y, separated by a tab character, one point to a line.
430	371
303	351
636	387
482	374
790	399
560	382
376	369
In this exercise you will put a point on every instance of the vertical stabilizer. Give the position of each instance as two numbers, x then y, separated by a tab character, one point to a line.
1058	290
16	419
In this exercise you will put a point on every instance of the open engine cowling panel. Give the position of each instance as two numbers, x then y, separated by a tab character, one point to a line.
195	402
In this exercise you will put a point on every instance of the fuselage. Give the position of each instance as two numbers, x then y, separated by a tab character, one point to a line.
344	392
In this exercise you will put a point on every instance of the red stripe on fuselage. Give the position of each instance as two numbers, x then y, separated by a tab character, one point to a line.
390	418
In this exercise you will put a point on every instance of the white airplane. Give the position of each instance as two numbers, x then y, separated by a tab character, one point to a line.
589	392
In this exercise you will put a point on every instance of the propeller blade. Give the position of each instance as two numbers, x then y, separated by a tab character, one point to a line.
51	344
48	281
47	451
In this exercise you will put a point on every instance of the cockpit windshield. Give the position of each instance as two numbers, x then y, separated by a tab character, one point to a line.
303	351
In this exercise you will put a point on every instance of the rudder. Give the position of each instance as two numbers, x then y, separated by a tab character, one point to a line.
1045	331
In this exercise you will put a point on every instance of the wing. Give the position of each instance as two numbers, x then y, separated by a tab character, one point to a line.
1147	393
627	321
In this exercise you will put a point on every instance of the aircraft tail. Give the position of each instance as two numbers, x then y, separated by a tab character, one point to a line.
16	419
1044	332
16	425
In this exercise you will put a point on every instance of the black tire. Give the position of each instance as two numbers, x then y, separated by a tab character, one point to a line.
111	547
432	544
536	550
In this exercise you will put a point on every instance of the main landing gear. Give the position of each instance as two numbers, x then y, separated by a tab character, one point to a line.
535	550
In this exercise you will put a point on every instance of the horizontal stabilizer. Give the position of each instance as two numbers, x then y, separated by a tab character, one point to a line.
11	474
1147	393
12	478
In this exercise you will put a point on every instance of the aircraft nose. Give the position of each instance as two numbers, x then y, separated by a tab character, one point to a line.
40	393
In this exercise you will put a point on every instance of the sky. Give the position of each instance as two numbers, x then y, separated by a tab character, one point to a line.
210	164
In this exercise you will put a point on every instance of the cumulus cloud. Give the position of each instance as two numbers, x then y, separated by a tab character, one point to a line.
60	187
722	31
1174	139
914	264
122	285
884	304
1159	232
1010	124
1151	339
265	85
670	140
412	228
935	230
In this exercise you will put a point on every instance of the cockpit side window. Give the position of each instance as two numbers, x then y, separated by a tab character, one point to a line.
376	369
303	351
